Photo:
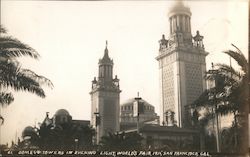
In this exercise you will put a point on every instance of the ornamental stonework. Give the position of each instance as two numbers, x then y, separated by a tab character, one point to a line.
168	87
193	74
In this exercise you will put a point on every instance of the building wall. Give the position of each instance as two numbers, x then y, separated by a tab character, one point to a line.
106	103
94	105
170	138
168	82
181	80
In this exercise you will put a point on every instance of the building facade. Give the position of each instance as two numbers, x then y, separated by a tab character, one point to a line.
170	138
105	99
182	66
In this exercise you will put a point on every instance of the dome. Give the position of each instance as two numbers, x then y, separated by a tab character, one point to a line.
28	131
62	112
127	113
127	106
132	100
179	8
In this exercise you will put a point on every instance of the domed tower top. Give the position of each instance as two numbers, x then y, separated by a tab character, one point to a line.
106	66
179	18
105	78
179	8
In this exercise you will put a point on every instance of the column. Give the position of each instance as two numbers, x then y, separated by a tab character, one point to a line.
174	24
170	22
189	26
111	71
178	21
183	23
186	23
105	71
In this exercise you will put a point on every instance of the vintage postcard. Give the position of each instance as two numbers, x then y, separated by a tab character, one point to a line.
124	78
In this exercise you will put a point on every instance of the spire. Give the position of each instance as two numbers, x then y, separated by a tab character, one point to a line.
106	58
106	48
106	52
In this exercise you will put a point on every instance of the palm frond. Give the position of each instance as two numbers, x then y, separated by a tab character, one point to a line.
238	50
206	118
203	100
11	47
225	109
6	98
23	83
238	57
228	70
39	78
223	78
1	117
14	77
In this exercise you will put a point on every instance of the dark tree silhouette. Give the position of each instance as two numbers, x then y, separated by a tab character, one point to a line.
66	136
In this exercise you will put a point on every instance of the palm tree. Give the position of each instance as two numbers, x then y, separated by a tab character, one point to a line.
230	93
239	97
12	75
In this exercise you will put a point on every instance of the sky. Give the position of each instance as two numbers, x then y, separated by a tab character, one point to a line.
70	37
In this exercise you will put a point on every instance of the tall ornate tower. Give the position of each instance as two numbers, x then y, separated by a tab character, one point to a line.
105	99
182	66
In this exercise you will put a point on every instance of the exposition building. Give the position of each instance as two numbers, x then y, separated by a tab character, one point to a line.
182	66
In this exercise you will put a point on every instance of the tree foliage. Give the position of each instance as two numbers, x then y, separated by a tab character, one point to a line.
58	137
12	75
66	136
229	95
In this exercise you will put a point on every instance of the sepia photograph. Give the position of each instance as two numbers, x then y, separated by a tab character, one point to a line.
124	78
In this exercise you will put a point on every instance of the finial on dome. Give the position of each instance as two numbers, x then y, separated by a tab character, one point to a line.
179	3
106	48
